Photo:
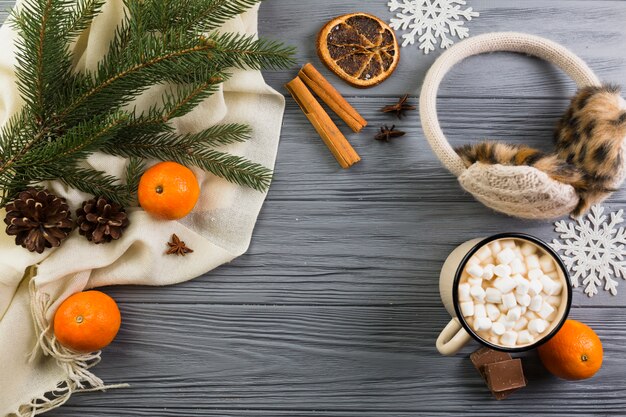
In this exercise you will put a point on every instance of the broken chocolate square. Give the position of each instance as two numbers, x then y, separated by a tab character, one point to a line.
484	356
505	376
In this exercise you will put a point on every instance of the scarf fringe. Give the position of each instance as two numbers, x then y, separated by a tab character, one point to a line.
76	365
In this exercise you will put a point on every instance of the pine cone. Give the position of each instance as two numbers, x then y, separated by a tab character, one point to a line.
38	220
101	221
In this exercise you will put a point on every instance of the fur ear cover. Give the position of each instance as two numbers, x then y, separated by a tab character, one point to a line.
590	149
591	136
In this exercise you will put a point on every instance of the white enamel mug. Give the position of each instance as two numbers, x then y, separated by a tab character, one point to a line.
457	333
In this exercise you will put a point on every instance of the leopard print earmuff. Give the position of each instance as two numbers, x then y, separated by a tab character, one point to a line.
587	164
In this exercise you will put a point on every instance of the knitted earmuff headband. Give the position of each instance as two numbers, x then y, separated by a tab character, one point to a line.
522	43
519	188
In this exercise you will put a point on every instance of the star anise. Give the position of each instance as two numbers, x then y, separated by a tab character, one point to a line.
401	107
387	133
178	247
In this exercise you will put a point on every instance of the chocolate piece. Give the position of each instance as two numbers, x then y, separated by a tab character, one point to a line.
504	394
484	356
505	376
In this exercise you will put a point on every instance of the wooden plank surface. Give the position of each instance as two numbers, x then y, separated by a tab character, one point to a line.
592	29
337	359
335	309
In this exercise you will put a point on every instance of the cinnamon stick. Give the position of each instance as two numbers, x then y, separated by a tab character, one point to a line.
323	124
329	95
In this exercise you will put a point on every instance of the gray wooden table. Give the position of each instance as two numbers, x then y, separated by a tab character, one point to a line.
335	309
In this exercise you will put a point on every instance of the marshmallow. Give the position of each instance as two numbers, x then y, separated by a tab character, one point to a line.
523	299
495	247
467	309
546	311
553	275
550	287
536	303
554	300
531	315
473	261
474	270
493	312
482	324
524	338
547	263
478	293
518	254
488	272
537	326
523	285
514	314
475	281
535	287
502	307
521	324
493	295
494	339
464	292
508	244
524	308
535	273
498	328
508	325
517	266
504	284
528	249
506	256
502	270
532	262
480	311
509	301
509	338
483	253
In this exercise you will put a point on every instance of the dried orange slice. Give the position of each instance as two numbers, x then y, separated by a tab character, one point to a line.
359	48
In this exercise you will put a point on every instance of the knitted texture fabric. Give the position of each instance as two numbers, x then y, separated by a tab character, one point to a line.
533	195
519	191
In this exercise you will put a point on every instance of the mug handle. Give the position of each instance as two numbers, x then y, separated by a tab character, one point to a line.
452	338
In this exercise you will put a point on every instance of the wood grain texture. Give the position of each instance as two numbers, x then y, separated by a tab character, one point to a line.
593	30
335	309
378	360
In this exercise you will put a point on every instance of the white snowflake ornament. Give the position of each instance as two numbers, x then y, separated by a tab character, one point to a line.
592	248
430	20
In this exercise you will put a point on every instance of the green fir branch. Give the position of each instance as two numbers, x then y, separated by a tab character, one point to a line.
233	168
214	136
196	16
134	170
115	86
42	55
69	115
195	150
79	18
207	15
77	143
97	183
246	51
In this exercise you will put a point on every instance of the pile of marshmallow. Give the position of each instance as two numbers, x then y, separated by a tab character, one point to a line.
510	292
